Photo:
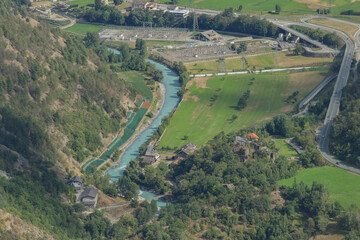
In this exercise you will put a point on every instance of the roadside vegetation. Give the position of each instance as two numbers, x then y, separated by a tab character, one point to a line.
330	39
344	136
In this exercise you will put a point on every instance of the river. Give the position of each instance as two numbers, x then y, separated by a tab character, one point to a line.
172	86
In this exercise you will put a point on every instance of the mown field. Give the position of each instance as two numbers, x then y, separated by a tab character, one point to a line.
287	6
342	185
271	60
209	106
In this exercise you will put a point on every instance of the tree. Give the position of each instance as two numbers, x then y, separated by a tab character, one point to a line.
243	46
128	188
299	50
277	8
228	12
118	2
98	4
175	2
91	39
349	220
240	8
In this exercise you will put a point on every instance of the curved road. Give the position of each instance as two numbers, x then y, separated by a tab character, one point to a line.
343	75
333	109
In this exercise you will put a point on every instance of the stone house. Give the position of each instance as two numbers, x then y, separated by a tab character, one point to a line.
77	182
89	197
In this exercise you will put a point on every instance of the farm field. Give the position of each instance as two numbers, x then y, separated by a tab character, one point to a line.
82	28
342	185
209	106
271	60
285	149
347	28
138	82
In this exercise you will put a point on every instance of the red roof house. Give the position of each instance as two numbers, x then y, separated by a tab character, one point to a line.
253	136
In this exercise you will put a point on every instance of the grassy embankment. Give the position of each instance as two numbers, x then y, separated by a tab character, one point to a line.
354	19
272	60
209	106
342	185
350	30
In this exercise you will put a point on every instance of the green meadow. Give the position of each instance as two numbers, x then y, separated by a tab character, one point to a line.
209	106
285	149
343	186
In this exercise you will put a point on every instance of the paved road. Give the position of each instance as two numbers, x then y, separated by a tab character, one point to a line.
316	90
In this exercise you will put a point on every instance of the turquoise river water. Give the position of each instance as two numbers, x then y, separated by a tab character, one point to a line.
172	86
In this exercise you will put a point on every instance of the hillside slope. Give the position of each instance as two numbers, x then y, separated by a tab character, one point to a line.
64	87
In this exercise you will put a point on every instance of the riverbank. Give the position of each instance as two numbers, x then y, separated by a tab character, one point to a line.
142	127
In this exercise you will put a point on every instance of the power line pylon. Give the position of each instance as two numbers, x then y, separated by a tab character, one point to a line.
221	64
195	20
